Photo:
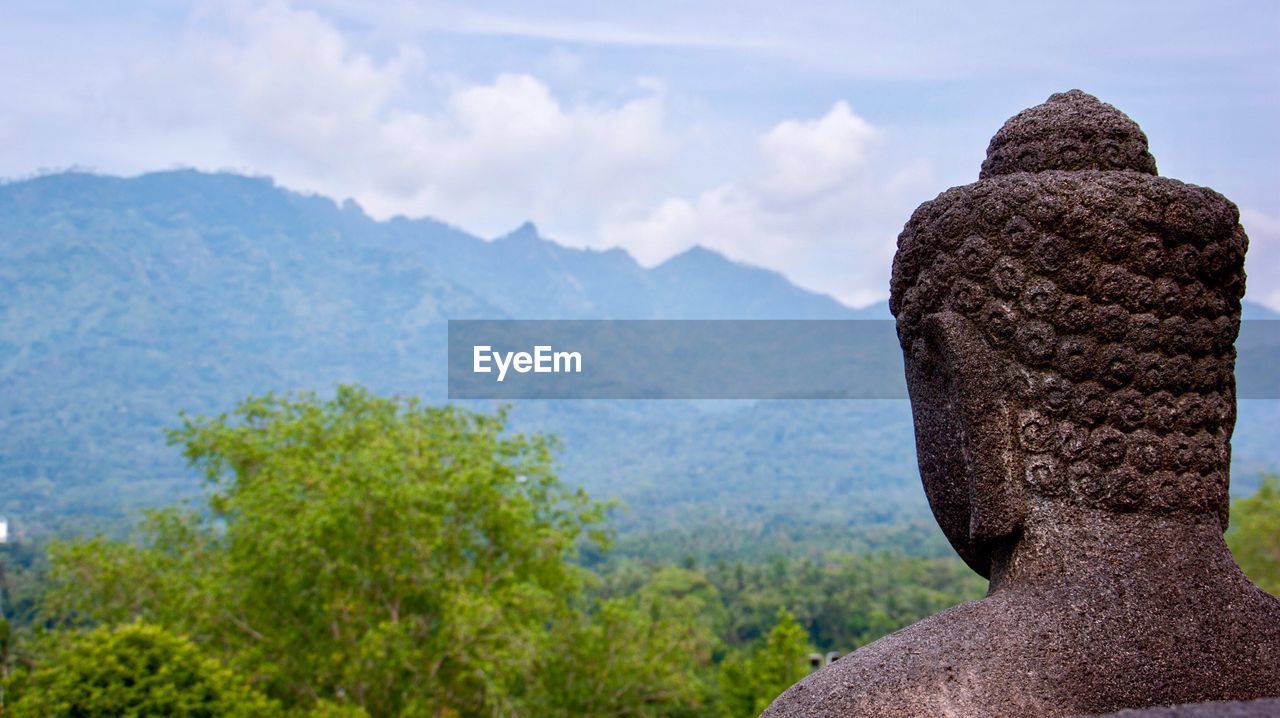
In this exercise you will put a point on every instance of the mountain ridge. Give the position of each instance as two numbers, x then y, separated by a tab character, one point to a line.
129	300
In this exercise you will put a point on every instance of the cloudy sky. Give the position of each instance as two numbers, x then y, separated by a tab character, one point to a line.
797	136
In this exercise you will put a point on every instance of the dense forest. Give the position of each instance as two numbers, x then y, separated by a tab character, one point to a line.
365	556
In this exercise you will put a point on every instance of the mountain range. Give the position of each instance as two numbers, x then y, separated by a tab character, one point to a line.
124	301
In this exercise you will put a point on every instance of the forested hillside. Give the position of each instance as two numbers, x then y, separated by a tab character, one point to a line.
126	301
354	552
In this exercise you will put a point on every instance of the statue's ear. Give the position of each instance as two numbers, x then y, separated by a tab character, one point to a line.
985	409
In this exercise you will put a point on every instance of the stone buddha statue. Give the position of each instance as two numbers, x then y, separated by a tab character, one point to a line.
1068	324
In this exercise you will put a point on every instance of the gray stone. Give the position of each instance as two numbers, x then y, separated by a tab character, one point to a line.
1068	324
1072	131
1265	708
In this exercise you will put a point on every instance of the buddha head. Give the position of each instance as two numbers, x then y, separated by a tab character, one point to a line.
1068	326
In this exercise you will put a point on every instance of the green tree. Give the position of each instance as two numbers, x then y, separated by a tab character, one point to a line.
843	601
135	670
749	683
636	656
1254	536
405	559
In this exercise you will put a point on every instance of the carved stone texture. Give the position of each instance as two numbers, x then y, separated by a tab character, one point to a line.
1068	324
1072	131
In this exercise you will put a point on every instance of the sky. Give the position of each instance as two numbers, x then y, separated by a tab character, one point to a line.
797	136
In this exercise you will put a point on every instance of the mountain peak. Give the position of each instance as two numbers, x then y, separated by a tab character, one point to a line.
697	255
525	232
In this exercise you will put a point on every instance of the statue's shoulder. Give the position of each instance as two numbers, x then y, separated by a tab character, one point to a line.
947	664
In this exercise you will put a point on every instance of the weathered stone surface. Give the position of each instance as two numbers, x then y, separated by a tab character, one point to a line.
1265	708
1072	131
1068	324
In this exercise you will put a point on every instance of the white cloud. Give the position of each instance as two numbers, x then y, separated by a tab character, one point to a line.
809	159
431	109
488	117
823	207
293	80
1262	283
285	92
319	114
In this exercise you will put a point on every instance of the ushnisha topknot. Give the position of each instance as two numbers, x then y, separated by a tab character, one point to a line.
1070	131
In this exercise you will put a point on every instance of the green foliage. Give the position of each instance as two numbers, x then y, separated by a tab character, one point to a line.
328	709
1254	536
134	670
362	556
22	569
644	654
401	558
746	480
750	682
844	602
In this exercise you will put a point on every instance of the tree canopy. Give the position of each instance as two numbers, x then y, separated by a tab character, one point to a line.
407	560
136	670
368	556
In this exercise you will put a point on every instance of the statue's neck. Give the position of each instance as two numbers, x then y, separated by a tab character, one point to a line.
1111	551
